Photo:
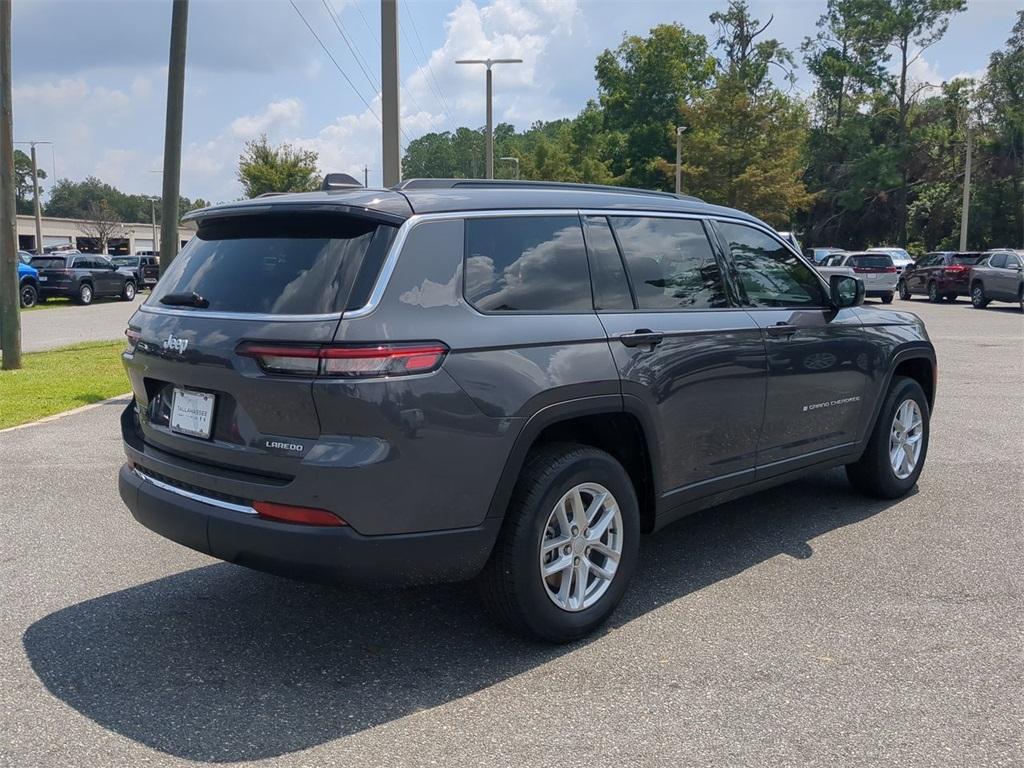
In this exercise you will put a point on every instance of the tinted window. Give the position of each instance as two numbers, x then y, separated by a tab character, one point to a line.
1012	261
611	290
47	262
527	264
670	262
292	265
874	262
998	260
771	275
125	261
968	259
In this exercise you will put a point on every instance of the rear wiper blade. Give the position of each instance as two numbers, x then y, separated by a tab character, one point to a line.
191	299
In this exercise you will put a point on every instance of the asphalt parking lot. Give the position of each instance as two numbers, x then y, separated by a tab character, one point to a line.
802	626
60	326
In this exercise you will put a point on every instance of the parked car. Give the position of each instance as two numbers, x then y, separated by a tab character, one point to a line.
790	237
24	257
939	275
144	269
999	276
818	255
900	258
82	277
875	269
28	284
503	380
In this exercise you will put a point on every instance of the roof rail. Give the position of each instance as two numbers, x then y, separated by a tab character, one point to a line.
512	183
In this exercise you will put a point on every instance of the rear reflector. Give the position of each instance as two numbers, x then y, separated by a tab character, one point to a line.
346	361
286	513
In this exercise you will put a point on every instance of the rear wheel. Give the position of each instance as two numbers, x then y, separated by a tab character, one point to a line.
978	300
933	293
28	295
84	294
896	451
887	298
129	290
904	291
568	546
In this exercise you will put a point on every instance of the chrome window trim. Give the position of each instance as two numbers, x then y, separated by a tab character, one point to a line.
194	496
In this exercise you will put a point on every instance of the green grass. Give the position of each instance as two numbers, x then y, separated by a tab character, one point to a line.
61	379
50	304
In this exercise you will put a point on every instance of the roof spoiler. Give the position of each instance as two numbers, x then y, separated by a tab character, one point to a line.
339	181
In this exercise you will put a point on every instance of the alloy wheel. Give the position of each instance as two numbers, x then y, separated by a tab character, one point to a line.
905	439
581	547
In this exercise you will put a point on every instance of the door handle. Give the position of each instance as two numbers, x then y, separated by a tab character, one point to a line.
781	329
642	337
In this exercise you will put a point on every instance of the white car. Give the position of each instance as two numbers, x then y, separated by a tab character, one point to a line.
876	270
900	257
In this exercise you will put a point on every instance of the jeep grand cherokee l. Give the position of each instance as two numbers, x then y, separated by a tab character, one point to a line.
507	381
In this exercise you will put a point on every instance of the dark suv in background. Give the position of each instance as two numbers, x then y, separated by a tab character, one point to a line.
939	275
507	381
82	277
145	270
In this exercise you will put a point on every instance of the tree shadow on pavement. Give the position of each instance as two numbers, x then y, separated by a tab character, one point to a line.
225	664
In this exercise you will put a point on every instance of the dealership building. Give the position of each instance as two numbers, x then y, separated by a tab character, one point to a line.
127	239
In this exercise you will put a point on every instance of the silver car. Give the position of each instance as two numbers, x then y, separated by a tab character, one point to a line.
998	277
876	270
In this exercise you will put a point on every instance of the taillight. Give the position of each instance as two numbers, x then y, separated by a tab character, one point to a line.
891	270
286	513
133	337
346	361
955	269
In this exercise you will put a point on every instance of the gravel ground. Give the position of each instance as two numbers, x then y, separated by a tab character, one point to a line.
801	626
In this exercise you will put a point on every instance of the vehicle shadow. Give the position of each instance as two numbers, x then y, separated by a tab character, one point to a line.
223	664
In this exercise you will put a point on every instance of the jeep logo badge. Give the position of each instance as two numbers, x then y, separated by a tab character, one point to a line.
177	345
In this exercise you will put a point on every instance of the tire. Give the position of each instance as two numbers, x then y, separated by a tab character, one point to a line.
27	295
128	292
887	298
978	300
933	293
950	297
511	584
904	291
85	294
873	474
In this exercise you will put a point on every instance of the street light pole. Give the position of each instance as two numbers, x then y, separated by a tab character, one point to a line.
679	158
172	137
390	113
152	207
965	211
490	121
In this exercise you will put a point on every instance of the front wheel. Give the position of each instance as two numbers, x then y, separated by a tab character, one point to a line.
896	451
129	290
887	298
904	291
28	296
568	546
978	300
933	293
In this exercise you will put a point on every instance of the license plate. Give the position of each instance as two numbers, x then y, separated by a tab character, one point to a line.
43	279
192	412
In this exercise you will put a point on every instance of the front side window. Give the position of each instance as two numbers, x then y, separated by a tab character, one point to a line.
770	274
527	264
671	264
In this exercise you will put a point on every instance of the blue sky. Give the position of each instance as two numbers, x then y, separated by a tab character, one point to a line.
91	75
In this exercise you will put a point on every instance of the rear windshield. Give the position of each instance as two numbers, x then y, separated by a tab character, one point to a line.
48	262
295	264
879	262
968	258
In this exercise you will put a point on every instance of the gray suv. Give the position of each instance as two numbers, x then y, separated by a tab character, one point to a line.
502	381
998	277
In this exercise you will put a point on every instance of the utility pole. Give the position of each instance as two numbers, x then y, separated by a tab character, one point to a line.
172	136
965	211
10	320
366	176
490	121
679	158
390	114
35	192
152	211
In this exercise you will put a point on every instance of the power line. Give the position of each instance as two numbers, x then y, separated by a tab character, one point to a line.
426	60
355	55
367	24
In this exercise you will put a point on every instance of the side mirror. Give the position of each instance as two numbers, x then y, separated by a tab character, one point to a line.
845	291
909	267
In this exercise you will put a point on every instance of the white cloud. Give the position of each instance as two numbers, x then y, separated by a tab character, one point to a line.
283	114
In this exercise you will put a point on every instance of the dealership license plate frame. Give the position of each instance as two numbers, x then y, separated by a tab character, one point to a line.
201	419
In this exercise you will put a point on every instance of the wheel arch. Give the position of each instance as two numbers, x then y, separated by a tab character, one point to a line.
601	422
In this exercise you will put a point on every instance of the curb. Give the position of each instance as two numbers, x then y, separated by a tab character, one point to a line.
72	412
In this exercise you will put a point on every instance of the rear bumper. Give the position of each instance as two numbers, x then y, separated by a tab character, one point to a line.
309	552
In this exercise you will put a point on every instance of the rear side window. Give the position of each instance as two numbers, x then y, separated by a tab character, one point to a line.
670	262
968	260
295	264
771	275
527	264
873	262
611	290
47	262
